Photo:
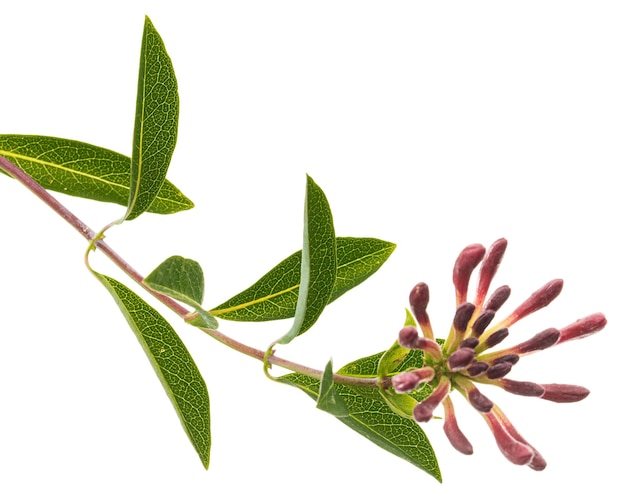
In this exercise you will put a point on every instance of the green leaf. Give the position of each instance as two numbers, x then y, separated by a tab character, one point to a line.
319	262
171	361
328	398
275	295
180	278
156	122
370	416
83	170
183	280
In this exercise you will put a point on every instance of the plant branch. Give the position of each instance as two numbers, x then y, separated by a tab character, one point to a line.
96	240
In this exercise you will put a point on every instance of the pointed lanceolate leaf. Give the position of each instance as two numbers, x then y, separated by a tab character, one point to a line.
156	122
83	170
328	398
370	416
319	262
171	361
275	295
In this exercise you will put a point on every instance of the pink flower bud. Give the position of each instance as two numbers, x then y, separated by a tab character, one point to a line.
512	449
524	388
418	299
406	382
564	393
488	269
479	401
538	299
423	411
583	327
408	336
541	341
451	428
466	262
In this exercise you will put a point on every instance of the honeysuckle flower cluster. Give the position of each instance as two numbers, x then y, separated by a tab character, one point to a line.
469	354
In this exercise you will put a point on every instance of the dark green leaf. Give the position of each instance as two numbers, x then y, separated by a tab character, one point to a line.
275	295
156	123
171	361
371	417
83	170
328	398
319	262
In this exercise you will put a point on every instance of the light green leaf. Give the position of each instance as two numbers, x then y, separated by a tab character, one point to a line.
183	280
156	122
319	262
328	398
180	278
83	170
171	361
275	295
370	416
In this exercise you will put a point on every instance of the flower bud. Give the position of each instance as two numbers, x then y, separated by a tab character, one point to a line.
418	299
541	341
564	393
498	298
479	401
499	370
462	317
429	346
451	428
488	269
477	368
470	342
460	359
406	382
423	411
497	337
466	262
524	388
537	300
482	321
408	336
583	327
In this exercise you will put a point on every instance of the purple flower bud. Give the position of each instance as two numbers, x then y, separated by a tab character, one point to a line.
583	327
470	342
497	337
479	401
541	341
537	461
466	262
488	269
498	298
482	321
564	393
477	368
524	388
499	370
450	427
511	358
418	299
408	337
460	359
462	316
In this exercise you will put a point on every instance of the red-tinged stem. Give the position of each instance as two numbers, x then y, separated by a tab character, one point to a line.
96	240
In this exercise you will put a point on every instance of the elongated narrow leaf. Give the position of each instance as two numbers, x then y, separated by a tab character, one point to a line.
156	122
183	280
319	262
171	361
275	295
370	416
328	398
83	170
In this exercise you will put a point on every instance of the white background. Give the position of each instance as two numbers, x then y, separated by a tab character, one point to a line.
429	124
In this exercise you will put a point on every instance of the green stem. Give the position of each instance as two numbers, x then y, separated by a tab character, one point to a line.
95	239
